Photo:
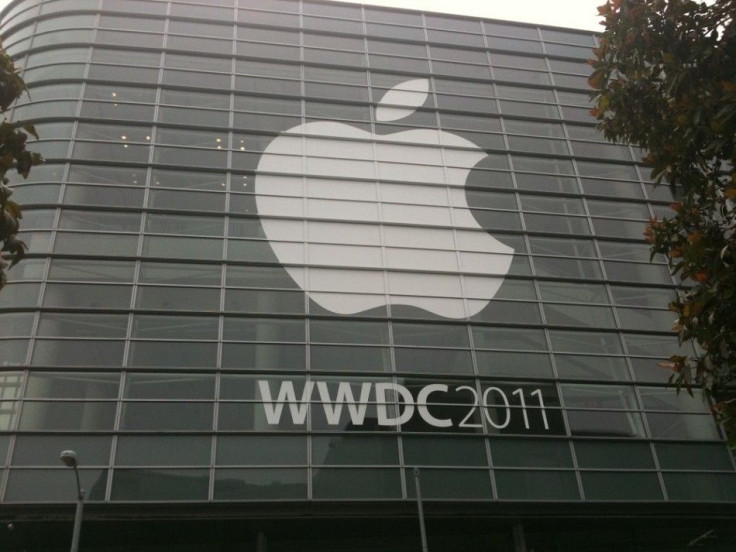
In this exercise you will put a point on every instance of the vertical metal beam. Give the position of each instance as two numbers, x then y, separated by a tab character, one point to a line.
420	508
519	538
261	542
77	520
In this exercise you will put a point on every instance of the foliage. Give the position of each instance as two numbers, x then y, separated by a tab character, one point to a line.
665	80
13	155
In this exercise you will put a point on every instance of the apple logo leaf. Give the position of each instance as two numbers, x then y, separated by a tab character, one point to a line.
408	94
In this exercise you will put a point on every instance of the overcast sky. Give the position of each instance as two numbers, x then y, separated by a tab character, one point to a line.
578	14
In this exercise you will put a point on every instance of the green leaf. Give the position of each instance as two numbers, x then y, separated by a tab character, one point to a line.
30	129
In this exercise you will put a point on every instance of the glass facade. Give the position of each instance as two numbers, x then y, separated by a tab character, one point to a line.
287	251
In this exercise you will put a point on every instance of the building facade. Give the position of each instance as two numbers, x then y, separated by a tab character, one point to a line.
284	252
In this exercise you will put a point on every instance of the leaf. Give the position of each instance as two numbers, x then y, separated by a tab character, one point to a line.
409	95
30	129
595	80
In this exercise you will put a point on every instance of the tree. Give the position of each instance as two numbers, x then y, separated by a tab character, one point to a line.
665	80
13	155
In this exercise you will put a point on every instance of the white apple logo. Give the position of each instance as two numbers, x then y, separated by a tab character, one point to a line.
384	219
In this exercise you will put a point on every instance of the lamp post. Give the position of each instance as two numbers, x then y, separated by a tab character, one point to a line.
422	530
69	458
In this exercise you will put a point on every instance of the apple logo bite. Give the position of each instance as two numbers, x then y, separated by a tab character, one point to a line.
379	219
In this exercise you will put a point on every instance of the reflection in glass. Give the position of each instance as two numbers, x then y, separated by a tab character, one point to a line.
536	485
260	484
26	485
163	450
356	483
67	416
166	416
160	484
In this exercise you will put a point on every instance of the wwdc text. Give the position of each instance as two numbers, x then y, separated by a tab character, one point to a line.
392	404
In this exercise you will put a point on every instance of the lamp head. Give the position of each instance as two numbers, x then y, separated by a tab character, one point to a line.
69	457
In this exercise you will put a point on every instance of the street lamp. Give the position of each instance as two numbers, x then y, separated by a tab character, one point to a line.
422	530
69	458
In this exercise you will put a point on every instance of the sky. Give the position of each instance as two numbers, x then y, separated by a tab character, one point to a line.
577	14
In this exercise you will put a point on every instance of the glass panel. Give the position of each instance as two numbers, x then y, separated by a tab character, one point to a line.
176	273
10	385
184	225
264	450
356	483
611	454
653	345
84	243
354	450
263	356
350	358
599	396
701	486
50	352
8	414
44	450
260	484
514	364
655	398
82	325
264	301
540	454
72	385
536	485
175	327
172	354
573	293
191	201
249	417
242	387
4	445
579	315
592	422
169	386
166	416
586	342
187	180
163	450
16	325
20	295
178	298
433	361
621	486
67	416
510	312
120	93
14	351
152	484
443	483
29	269
443	451
440	335
135	6
592	367
108	196
30	486
182	248
693	456
107	221
263	329
697	427
118	22
107	175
